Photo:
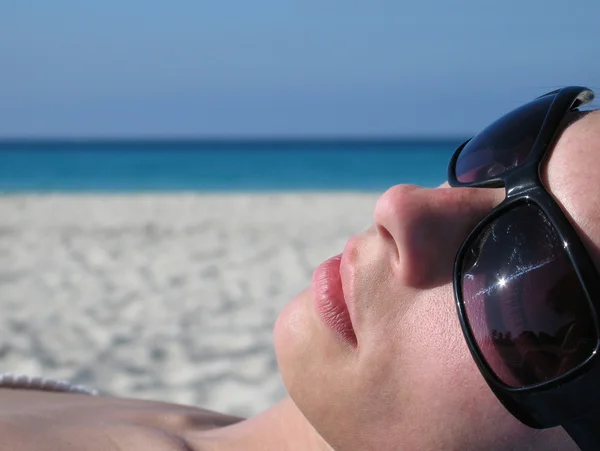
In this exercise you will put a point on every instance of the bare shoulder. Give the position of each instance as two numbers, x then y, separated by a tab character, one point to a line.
39	421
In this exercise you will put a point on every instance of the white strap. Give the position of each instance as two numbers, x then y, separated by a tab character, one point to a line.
9	380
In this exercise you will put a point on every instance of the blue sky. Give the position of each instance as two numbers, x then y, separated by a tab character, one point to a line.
84	68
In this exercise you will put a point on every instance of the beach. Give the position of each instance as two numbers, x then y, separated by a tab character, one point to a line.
162	296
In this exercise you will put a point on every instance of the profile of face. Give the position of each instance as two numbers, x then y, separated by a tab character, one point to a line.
402	377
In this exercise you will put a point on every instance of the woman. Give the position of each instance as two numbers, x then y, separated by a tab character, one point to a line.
373	355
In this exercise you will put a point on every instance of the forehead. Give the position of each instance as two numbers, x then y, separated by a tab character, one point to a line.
572	174
576	149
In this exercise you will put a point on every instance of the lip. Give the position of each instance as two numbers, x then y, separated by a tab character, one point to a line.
329	300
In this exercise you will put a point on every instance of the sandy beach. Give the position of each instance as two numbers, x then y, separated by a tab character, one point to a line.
170	297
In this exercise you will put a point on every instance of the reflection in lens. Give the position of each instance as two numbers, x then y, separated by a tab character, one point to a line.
504	144
524	301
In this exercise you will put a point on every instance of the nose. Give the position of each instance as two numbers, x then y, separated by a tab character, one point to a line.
427	227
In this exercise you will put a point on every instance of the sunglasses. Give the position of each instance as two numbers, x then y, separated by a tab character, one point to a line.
526	289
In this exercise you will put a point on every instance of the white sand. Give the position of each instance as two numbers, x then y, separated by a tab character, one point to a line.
170	297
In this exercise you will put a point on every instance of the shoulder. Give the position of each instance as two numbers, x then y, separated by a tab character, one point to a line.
37	421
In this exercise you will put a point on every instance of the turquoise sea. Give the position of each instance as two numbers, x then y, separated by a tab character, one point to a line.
128	166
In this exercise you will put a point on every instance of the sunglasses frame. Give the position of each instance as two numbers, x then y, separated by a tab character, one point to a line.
573	398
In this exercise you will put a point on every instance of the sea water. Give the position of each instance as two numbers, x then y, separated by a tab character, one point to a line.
130	166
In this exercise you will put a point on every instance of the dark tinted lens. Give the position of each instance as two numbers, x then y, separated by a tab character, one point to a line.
504	144
523	300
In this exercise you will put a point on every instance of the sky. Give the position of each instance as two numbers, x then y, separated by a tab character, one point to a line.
277	68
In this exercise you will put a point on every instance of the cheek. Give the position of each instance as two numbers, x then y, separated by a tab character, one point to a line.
417	348
417	372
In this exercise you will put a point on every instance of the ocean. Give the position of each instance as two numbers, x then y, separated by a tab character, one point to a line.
131	166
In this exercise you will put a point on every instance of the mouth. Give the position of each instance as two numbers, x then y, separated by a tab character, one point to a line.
329	300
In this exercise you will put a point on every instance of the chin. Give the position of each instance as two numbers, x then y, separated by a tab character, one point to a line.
301	346
313	361
292	333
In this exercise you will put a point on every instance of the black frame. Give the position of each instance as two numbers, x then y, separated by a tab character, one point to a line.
573	398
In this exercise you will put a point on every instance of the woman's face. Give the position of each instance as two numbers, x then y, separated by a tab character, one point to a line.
402	377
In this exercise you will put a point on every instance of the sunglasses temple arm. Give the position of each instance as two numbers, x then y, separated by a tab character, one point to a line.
585	432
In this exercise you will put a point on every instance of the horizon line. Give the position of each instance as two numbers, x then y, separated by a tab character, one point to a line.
224	139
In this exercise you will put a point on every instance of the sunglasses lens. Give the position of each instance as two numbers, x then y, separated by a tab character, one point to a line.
504	144
523	300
